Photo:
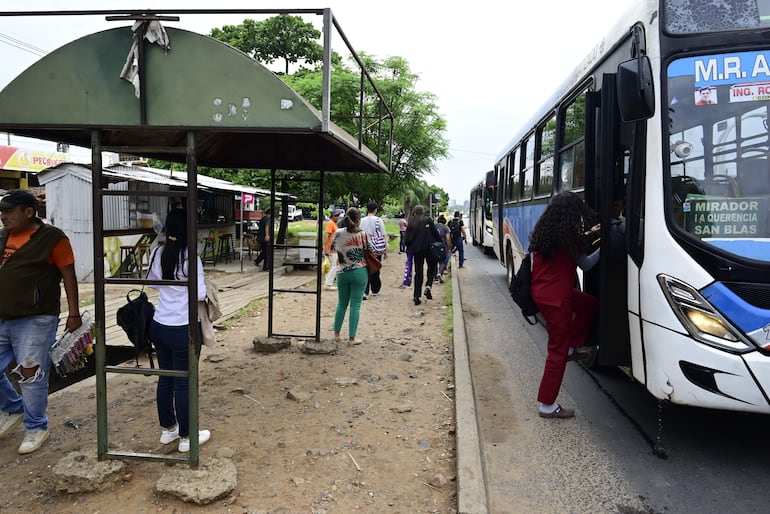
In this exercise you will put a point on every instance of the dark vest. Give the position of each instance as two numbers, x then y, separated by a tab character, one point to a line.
29	283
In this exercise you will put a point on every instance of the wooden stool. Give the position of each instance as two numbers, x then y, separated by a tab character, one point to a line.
209	253
142	252
128	264
226	248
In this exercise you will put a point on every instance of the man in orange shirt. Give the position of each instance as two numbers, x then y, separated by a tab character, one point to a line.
331	228
35	259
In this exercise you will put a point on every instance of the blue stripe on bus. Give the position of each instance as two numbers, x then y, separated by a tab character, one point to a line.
750	248
521	220
740	313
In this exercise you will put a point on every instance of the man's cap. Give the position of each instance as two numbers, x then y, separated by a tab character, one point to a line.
457	214
18	197
338	212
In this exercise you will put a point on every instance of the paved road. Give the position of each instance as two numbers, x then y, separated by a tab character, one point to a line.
603	459
529	464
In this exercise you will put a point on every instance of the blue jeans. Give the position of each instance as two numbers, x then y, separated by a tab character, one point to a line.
350	290
459	245
27	341
173	394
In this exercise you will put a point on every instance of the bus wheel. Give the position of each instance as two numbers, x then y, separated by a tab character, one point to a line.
592	361
509	266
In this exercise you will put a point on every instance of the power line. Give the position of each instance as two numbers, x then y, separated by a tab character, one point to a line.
471	151
22	45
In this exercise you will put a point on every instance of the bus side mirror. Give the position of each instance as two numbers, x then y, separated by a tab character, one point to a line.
491	180
636	97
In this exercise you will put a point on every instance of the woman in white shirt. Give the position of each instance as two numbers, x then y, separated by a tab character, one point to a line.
169	331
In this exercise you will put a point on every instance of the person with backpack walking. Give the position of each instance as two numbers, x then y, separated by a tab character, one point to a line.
558	245
375	229
420	233
457	231
169	331
36	258
446	237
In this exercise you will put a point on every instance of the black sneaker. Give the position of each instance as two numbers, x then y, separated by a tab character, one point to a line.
427	294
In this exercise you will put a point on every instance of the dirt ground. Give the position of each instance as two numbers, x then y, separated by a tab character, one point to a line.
368	429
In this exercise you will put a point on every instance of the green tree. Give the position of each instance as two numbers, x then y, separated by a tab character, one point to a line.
418	132
280	37
418	128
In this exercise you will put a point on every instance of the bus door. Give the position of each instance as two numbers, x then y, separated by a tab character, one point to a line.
606	192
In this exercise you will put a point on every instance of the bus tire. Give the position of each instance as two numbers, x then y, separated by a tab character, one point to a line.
592	361
509	266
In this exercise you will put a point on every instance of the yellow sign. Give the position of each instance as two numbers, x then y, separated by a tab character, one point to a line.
19	159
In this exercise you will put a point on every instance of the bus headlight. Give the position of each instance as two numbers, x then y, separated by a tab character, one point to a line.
708	324
700	319
488	228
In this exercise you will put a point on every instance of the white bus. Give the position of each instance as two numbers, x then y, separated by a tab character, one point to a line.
669	115
480	214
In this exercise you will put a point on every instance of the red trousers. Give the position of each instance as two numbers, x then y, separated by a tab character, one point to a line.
567	325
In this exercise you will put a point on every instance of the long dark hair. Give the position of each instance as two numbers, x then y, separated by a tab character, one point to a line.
562	225
351	219
417	222
175	248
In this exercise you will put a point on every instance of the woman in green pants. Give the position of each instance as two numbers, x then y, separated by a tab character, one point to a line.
350	242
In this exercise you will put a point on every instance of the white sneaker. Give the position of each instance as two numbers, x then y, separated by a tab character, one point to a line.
169	436
10	422
184	442
33	440
330	288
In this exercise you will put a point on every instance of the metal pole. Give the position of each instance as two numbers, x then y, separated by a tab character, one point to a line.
240	248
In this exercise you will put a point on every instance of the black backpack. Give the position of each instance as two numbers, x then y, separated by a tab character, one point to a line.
454	229
519	289
134	318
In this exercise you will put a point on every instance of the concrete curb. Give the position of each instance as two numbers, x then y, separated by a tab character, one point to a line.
471	484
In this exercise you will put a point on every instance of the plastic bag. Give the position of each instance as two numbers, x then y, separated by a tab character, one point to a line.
326	265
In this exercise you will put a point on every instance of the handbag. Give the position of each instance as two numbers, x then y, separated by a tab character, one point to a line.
207	327
371	260
208	312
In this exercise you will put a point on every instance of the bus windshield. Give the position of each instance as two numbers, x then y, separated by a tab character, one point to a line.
719	148
693	16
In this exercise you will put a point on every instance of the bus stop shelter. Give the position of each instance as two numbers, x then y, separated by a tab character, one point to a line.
171	94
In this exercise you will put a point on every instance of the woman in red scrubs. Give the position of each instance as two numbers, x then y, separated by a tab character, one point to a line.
558	245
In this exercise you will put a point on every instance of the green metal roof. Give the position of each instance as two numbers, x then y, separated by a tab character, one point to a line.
241	113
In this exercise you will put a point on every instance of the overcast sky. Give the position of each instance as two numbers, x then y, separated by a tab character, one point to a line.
491	64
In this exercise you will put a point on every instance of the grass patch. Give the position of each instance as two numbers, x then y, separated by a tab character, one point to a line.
250	310
449	319
87	301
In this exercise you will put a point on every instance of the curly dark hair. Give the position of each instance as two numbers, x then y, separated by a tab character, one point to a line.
563	224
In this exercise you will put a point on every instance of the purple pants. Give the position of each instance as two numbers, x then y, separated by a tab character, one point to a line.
408	270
